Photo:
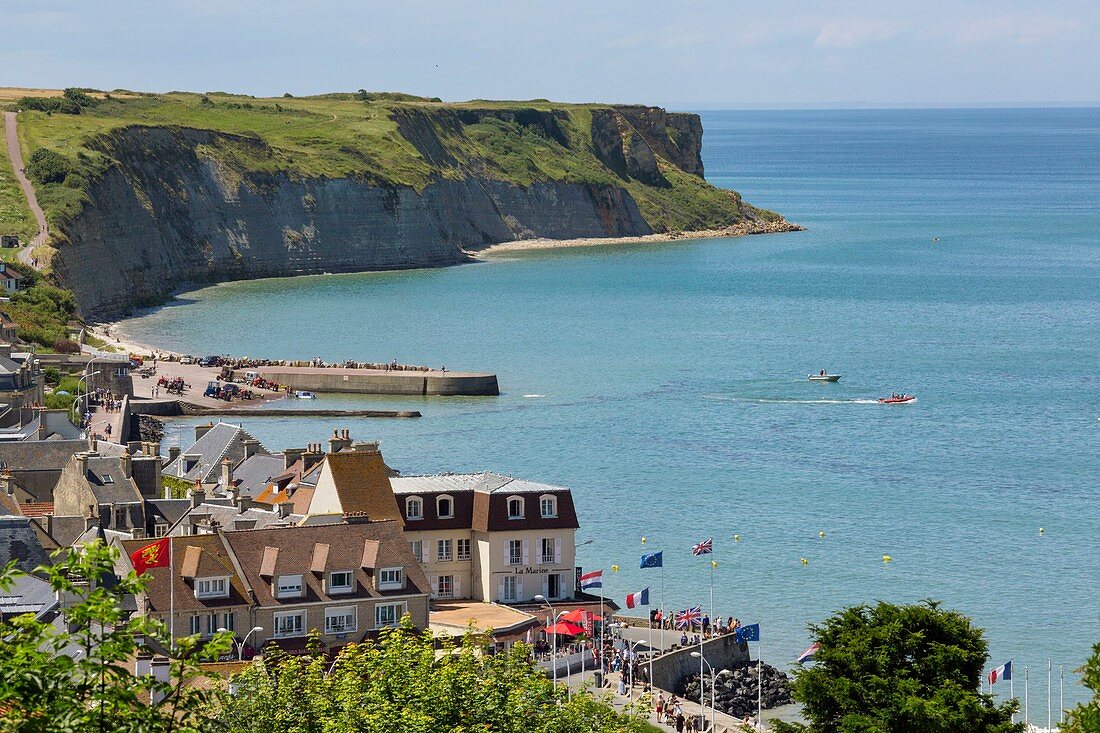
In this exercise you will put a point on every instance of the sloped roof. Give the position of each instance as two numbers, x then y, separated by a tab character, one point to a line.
109	484
229	517
254	472
220	441
216	559
36	508
19	542
39	455
27	594
362	484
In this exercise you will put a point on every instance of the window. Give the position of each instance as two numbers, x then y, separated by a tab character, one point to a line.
553	586
515	552
196	625
211	624
418	549
443	550
391	579
463	549
388	614
289	624
414	508
546	557
160	529
340	620
108	478
120	517
290	586
515	507
445	507
229	621
548	507
508	588
445	586
212	588
121	371
339	582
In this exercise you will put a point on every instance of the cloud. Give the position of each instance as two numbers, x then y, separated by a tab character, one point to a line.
847	33
1019	28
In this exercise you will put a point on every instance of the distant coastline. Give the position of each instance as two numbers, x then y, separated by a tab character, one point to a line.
737	230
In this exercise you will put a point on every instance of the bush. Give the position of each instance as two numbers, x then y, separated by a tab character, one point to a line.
79	97
47	166
49	105
60	401
52	374
43	313
66	346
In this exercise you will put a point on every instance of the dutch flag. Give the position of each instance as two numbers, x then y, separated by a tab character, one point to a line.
1004	672
592	580
808	655
641	598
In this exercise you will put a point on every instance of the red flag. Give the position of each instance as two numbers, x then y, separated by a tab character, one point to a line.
154	555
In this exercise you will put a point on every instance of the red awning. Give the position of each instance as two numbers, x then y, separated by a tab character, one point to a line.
576	616
564	628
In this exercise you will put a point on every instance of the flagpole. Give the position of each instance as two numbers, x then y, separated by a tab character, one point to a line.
1012	692
702	704
662	615
1061	692
603	631
759	687
1027	717
1048	693
171	595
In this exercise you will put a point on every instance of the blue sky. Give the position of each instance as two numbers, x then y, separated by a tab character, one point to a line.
686	54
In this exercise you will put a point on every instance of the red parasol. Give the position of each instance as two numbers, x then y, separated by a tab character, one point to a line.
564	628
577	616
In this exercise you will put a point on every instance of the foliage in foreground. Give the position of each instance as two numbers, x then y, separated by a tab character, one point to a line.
402	684
894	669
54	679
1085	718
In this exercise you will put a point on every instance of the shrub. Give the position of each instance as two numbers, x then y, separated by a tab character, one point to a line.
60	401
52	374
66	346
79	97
47	166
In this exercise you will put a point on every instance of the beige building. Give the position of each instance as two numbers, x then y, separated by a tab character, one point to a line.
347	581
490	537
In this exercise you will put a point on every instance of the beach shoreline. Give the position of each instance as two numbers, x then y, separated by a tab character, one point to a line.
541	243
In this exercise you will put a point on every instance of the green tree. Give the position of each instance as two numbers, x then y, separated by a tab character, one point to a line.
403	684
47	166
895	669
56	679
1085	718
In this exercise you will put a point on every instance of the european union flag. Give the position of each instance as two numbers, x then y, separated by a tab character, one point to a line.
748	633
653	561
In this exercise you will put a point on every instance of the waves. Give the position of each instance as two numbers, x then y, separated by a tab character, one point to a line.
787	401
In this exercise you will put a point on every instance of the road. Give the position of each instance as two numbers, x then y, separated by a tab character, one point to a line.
10	122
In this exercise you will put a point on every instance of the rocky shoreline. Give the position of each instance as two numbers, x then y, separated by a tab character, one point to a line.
741	229
735	691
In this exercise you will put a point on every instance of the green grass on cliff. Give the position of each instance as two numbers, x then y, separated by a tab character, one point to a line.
15	216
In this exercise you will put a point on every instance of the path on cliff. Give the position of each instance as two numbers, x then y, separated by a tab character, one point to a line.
16	155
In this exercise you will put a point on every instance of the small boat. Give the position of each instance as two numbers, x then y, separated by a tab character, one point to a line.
824	377
303	395
900	399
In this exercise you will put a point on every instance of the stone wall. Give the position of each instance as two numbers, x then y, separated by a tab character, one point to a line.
721	652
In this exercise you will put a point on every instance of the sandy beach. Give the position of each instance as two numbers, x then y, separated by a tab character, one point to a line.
737	230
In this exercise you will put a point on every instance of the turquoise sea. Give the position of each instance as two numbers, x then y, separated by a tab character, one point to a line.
666	384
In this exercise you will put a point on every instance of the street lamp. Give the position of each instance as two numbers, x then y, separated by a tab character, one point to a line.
630	661
240	647
82	378
713	680
554	642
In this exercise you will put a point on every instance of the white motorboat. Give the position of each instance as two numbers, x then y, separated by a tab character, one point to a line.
824	377
303	395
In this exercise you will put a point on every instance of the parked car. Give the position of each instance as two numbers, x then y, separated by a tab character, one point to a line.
210	361
187	360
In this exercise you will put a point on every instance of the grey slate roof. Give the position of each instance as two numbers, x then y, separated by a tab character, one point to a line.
27	594
485	483
252	474
40	455
109	484
229	517
19	542
224	439
166	510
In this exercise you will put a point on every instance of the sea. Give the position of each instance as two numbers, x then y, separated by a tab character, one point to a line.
950	254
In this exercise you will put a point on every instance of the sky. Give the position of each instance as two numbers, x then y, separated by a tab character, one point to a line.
689	54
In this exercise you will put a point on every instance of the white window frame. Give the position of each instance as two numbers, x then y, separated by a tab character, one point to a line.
522	507
212	587
461	543
160	529
451	500
417	549
397	584
342	612
544	558
449	592
515	557
279	587
195	624
229	621
410	502
513	596
551	501
334	589
278	617
400	610
442	556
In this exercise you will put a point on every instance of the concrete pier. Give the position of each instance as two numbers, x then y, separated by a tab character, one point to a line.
379	381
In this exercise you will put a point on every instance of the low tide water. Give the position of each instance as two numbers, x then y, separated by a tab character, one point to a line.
666	384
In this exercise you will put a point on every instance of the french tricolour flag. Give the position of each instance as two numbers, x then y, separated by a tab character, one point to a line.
1004	672
808	655
641	598
592	580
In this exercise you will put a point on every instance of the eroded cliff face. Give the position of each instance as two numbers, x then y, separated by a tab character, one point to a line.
170	212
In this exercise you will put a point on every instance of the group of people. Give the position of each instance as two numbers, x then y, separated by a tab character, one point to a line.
659	619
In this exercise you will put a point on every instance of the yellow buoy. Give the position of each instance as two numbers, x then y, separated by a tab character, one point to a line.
804	561
1041	530
714	563
614	568
821	535
643	540
737	538
887	558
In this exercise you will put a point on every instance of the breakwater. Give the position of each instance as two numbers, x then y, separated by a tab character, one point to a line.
379	381
179	408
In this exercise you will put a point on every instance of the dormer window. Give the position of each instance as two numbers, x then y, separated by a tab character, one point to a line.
391	579
414	508
212	588
288	586
339	582
445	507
515	507
108	478
548	506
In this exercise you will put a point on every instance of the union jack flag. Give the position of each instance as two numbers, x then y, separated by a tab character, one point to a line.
689	617
703	548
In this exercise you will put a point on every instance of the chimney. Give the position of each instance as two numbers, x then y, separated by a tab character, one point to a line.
161	668
198	496
82	463
41	426
126	463
134	446
251	447
90	522
312	456
338	441
6	483
174	453
291	456
227	473
201	430
284	509
152	448
243	503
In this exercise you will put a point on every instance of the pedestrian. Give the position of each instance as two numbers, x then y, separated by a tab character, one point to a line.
660	708
690	727
680	720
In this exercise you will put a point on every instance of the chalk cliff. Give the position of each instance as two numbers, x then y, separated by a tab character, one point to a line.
179	205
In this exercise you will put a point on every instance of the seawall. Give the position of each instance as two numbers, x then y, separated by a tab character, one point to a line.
376	381
721	652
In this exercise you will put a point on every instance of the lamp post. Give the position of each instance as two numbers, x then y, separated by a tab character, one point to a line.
82	378
554	642
713	681
240	647
630	690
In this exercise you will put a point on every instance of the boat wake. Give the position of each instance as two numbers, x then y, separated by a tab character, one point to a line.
785	401
532	396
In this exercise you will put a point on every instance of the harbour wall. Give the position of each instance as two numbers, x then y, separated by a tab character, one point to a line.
722	652
362	381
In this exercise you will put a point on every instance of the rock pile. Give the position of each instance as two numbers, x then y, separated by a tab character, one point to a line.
148	428
735	691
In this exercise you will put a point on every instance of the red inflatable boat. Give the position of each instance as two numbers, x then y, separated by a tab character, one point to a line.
900	399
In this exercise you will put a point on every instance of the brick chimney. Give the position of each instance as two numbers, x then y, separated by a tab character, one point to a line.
201	430
338	441
227	474
251	447
291	456
126	463
312	456
174	453
198	496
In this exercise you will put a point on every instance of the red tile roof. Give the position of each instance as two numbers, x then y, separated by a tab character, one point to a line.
36	508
